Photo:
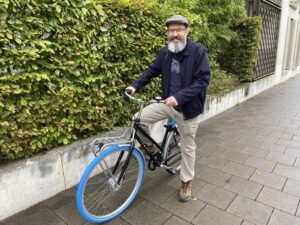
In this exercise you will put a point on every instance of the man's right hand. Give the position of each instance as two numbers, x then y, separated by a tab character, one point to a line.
132	89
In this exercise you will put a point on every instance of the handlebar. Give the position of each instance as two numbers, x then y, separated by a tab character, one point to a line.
127	94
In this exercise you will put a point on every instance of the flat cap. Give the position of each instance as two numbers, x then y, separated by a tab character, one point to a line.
177	19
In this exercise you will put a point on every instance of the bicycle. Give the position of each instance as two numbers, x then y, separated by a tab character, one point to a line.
113	179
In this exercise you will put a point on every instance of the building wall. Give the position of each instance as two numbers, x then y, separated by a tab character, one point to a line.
288	54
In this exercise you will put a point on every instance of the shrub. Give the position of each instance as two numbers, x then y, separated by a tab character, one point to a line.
65	65
240	56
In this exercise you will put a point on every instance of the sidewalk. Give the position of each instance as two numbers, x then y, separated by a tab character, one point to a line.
247	172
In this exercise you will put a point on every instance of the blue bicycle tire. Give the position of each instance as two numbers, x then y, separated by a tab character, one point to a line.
86	175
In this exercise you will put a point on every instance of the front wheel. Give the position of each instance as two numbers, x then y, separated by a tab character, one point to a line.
172	152
100	197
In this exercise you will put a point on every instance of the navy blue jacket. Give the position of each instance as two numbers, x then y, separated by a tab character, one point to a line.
195	74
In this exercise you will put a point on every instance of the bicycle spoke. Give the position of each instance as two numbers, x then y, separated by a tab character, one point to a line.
101	194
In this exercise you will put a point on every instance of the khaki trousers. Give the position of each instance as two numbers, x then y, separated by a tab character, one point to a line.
187	129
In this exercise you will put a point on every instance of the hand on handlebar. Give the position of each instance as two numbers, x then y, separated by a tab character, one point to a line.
171	101
130	90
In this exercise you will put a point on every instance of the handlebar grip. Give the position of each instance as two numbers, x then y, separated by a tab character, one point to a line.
128	91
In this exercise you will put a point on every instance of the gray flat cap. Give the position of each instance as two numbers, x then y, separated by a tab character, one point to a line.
177	19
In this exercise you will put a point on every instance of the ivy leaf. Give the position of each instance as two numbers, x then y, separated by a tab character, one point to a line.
84	11
65	141
9	36
18	40
23	102
58	8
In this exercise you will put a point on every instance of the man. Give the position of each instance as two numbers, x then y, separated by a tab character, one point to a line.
185	75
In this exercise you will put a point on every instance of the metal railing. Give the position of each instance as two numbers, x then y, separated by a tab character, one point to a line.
270	11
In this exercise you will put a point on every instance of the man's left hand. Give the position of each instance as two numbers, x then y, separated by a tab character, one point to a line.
171	101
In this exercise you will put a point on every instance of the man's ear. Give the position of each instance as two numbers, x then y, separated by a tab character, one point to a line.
187	31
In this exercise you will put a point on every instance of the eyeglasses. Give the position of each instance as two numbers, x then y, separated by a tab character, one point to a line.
178	30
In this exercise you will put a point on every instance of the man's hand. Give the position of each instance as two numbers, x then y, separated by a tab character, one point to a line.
171	101
132	89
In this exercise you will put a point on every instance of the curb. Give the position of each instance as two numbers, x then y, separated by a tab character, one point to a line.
27	182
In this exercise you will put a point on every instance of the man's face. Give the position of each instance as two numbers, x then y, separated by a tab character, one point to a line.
177	34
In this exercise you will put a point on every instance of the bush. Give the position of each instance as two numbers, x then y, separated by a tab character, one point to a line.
240	56
65	65
221	81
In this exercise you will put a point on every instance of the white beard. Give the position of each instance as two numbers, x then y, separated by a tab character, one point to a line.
175	48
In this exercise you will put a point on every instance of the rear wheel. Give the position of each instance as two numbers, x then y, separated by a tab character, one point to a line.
100	197
173	152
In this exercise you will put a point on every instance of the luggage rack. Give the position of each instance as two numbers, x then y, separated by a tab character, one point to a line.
98	144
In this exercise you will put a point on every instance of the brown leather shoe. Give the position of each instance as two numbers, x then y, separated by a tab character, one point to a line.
185	193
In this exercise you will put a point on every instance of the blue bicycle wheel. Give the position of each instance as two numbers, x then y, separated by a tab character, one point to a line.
99	196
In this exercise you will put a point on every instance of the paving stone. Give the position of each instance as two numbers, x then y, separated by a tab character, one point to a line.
297	163
213	176
211	150
292	187
281	158
215	196
243	187
250	210
211	139
151	214
174	220
238	170
158	174
116	221
268	179
282	218
293	151
230	137
213	162
281	135
69	214
272	147
254	151
248	141
296	138
259	163
288	143
58	200
156	192
288	125
232	146
233	156
34	215
279	200
287	171
292	131
265	138
247	223
213	216
186	211
199	167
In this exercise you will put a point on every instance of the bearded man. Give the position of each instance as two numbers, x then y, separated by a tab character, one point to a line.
185	75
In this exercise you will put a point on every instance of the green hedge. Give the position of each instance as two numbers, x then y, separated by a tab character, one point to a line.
64	65
240	56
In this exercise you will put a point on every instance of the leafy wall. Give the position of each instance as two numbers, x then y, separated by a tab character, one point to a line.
64	64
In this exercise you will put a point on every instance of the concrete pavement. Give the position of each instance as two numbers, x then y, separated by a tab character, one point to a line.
247	172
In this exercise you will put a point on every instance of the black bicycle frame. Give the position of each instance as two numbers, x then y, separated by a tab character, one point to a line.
137	128
142	143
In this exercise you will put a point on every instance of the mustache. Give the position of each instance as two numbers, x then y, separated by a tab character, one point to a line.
175	38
